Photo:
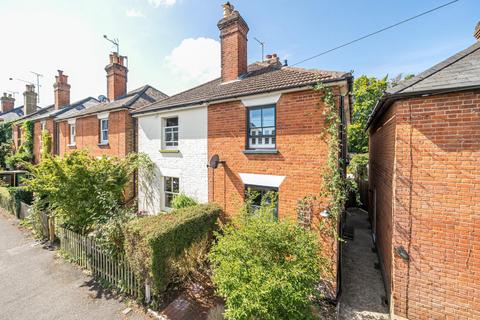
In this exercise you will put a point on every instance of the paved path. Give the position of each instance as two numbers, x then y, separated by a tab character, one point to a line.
363	290
35	284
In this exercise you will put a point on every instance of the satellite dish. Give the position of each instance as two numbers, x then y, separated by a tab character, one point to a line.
102	98
214	161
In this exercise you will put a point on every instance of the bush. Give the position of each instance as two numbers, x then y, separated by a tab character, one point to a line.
358	166
24	155
183	201
266	269
152	241
6	200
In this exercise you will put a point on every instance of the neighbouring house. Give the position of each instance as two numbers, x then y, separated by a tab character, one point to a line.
29	107
44	118
424	179
8	111
264	121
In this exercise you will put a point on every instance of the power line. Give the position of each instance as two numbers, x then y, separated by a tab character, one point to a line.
376	32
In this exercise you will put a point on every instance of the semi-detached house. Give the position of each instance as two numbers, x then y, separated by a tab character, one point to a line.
264	122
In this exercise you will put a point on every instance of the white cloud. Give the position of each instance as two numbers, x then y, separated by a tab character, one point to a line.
133	13
158	3
194	61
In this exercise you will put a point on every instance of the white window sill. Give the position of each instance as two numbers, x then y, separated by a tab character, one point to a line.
72	145
260	151
103	144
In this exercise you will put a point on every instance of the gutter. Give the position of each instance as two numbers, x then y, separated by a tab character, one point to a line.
238	96
387	99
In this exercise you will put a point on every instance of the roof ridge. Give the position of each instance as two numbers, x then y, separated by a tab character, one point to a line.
435	69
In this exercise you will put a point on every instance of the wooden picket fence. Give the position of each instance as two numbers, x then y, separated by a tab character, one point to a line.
85	252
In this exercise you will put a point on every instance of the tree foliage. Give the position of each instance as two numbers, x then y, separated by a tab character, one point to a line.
79	189
24	154
367	91
5	142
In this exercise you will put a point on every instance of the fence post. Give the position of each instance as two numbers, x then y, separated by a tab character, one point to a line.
148	296
51	230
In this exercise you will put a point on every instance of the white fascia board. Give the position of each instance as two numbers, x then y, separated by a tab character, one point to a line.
103	115
264	180
260	100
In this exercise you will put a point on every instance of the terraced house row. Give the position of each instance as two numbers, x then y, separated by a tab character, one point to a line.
258	126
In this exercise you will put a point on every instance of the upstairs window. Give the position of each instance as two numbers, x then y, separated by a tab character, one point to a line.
104	131
261	130
172	188
72	133
170	133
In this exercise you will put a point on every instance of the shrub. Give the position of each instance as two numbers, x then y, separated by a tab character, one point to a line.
183	201
266	269
358	166
24	155
150	242
6	200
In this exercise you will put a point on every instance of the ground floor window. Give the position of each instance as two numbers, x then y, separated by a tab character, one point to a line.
261	194
172	188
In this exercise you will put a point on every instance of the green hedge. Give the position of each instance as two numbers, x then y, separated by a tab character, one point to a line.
150	242
10	198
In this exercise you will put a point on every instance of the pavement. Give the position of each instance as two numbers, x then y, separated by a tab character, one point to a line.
37	284
363	292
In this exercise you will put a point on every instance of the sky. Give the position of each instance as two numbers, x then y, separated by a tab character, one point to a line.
173	45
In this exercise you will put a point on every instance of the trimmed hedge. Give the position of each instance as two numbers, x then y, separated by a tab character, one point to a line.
10	198
150	242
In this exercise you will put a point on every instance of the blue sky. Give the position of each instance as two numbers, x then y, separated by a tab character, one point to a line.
173	44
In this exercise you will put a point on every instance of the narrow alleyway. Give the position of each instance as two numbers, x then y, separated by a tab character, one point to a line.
362	289
35	284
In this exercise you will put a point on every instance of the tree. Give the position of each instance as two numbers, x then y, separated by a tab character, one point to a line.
367	91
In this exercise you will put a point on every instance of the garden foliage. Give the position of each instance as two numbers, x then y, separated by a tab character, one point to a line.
151	241
24	155
183	201
266	269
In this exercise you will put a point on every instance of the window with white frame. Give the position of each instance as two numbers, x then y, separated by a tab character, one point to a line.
171	189
170	133
71	128
103	131
261	129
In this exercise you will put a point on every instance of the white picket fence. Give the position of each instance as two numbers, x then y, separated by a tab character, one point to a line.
85	252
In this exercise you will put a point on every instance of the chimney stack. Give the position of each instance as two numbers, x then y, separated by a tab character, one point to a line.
8	102
477	32
233	37
116	77
62	90
30	99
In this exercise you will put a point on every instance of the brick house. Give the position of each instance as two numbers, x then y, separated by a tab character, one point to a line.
106	128
8	111
424	151
264	121
44	118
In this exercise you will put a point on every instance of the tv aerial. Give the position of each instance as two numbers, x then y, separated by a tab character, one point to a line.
113	41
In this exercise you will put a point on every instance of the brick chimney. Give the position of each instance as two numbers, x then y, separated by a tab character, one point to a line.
233	37
8	102
477	32
30	99
62	90
116	77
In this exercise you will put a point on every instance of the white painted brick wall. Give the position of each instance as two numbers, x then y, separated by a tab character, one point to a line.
190	165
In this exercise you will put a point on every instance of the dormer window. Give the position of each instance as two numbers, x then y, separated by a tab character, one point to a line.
261	129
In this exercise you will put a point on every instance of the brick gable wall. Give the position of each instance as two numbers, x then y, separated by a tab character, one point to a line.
301	158
436	217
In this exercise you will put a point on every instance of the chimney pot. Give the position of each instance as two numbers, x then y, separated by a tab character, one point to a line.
116	77
233	36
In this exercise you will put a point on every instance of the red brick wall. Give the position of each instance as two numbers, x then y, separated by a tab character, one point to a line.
87	135
382	161
301	158
436	216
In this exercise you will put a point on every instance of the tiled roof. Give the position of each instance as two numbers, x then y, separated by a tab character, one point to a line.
11	115
260	78
66	110
40	111
459	72
132	100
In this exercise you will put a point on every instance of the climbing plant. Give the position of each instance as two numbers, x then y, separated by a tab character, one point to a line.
46	148
5	142
24	153
335	186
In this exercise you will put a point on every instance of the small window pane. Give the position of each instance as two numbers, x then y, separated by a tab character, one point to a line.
255	118
171	122
268	117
